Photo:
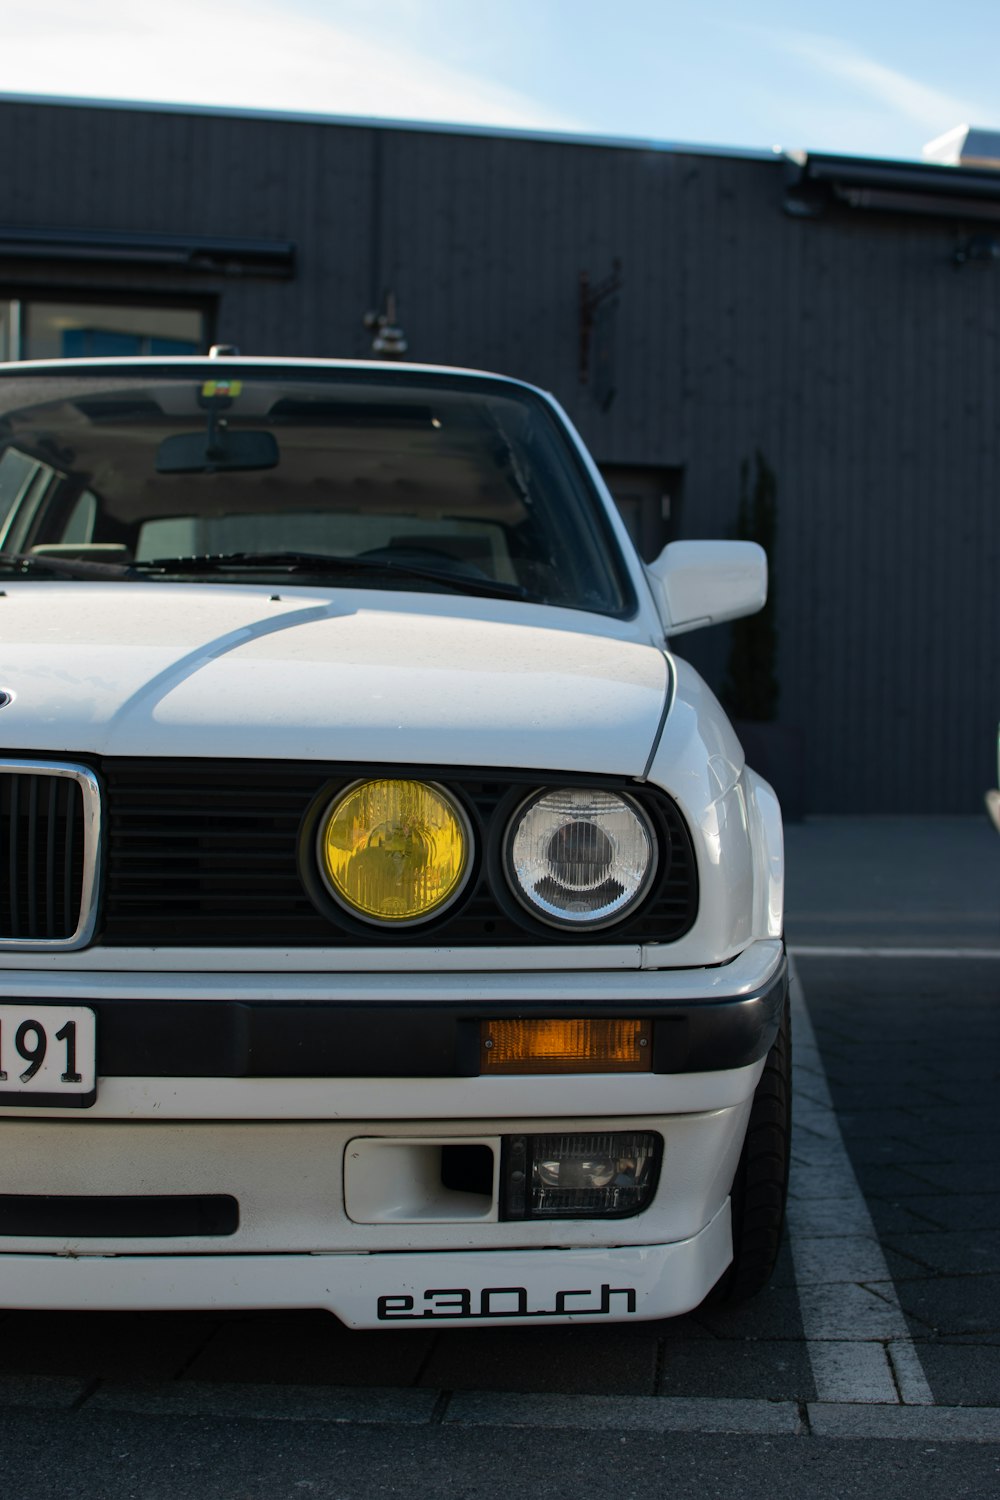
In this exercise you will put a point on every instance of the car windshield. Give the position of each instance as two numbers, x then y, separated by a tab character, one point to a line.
381	480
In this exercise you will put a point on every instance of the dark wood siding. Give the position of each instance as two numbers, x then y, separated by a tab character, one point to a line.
846	348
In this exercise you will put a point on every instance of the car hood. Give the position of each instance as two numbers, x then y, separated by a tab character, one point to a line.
154	670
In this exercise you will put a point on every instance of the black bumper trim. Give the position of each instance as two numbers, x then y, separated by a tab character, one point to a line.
137	1216
344	1039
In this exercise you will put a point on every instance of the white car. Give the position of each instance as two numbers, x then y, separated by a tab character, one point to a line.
388	921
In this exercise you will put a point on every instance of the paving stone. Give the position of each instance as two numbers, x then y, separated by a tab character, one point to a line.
811	1186
266	1402
911	1094
960	1117
951	1305
890	1151
845	1312
957	1176
307	1348
893	1181
959	1210
960	1375
897	1218
772	1314
907	1267
783	1274
953	1253
865	1123
855	1094
852	1370
684	1330
577	1359
48	1391
810	1153
914	1389
934	1147
919	1424
836	1216
731	1368
847	1258
592	1413
968	1340
104	1345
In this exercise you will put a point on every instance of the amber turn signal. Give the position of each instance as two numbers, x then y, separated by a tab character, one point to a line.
556	1046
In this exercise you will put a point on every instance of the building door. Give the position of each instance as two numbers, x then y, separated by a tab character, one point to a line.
649	500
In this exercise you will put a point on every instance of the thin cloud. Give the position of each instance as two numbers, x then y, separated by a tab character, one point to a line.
930	108
243	55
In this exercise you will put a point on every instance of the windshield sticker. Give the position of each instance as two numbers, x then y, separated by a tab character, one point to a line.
221	390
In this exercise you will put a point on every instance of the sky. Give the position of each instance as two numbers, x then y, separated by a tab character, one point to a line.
864	77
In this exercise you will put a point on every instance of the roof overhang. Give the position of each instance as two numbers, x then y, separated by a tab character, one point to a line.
815	183
184	253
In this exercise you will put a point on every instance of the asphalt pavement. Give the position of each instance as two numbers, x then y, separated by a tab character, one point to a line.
870	1366
912	883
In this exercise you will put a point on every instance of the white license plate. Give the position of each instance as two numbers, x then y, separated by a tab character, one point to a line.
48	1055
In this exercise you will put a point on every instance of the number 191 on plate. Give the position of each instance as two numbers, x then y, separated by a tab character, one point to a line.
47	1055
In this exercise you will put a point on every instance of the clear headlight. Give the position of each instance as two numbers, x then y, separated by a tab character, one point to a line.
394	851
580	858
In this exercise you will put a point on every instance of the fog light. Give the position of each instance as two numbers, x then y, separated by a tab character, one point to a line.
579	1176
587	1172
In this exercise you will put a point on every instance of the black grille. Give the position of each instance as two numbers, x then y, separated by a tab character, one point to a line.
41	856
219	853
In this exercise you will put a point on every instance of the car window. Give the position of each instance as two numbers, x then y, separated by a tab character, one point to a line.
474	479
24	483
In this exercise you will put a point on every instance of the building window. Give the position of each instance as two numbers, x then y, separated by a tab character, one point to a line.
10	325
93	330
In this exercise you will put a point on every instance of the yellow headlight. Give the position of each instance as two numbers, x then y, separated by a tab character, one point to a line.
394	851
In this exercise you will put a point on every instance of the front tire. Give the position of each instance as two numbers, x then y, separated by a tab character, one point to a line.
760	1187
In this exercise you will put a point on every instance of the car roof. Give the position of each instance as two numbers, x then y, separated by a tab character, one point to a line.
218	362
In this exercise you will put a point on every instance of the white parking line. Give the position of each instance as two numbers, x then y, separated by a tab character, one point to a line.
856	1334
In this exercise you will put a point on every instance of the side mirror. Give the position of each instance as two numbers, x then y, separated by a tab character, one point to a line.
704	583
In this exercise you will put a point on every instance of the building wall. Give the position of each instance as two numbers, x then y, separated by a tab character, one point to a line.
847	349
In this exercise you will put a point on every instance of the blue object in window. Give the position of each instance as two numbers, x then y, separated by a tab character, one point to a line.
98	343
95	343
171	346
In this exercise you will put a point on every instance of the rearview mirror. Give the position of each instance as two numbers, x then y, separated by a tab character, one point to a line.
704	583
208	452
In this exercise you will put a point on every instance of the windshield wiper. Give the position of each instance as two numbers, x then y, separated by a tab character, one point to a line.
63	567
320	564
316	564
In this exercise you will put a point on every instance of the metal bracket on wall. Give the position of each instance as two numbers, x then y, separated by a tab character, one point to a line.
591	299
389	340
984	248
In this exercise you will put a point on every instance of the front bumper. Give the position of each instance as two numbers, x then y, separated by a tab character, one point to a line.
303	1045
448	1290
270	1131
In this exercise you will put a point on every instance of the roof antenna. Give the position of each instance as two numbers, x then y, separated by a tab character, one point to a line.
221	351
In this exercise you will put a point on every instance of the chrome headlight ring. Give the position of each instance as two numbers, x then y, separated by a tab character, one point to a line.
579	858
